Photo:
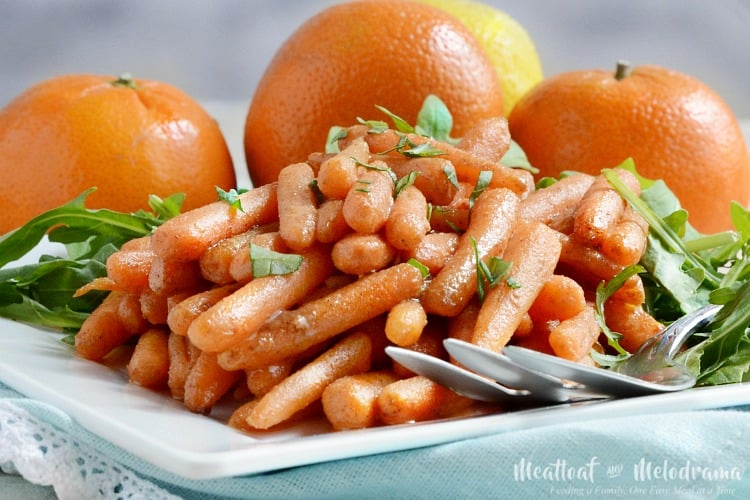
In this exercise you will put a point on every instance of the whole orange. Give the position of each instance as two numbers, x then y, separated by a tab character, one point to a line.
673	126
349	58
128	138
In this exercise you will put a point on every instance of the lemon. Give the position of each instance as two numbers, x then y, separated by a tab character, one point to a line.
506	42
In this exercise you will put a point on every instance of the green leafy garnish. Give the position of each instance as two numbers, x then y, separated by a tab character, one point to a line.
267	262
400	124
685	270
317	193
41	293
724	356
450	173
335	134
422	268
603	292
516	157
232	197
483	182
435	120
374	126
490	273
405	181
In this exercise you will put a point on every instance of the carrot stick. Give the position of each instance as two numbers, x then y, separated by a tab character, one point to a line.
350	355
292	332
492	220
241	313
188	235
533	251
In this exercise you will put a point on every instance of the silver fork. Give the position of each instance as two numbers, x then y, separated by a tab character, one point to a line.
519	374
651	369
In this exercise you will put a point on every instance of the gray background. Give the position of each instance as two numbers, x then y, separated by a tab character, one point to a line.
218	49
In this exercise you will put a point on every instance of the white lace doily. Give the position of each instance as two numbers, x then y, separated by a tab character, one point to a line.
46	455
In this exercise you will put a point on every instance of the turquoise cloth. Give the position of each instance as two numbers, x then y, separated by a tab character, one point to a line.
698	454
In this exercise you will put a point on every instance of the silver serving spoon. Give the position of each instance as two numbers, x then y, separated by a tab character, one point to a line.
500	368
474	386
454	377
650	370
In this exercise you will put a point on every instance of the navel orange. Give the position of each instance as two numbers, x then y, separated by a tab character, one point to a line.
352	56
128	138
673	126
506	42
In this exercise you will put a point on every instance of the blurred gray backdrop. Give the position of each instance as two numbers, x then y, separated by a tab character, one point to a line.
218	49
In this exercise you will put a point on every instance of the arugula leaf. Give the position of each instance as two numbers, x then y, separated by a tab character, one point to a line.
724	356
42	293
603	292
267	262
681	279
73	221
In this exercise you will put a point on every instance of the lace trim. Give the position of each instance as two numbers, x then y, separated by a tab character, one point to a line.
46	455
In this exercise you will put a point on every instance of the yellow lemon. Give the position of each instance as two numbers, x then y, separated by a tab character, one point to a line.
506	42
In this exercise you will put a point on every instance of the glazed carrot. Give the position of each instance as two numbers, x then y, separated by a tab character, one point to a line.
359	253
241	313
405	322
110	325
631	321
492	220
149	363
140	244
350	402
182	314
331	223
468	166
435	250
601	208
182	357
407	223
556	205
129	269
488	139
207	383
186	236
590	267
560	298
369	201
417	399
168	276
292	332
626	241
533	251
429	342
241	267
349	356
461	327
337	174
261	380
573	338
216	260
298	217
432	176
